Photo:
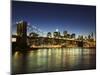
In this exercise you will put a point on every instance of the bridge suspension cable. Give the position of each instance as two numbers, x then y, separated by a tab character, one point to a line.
33	28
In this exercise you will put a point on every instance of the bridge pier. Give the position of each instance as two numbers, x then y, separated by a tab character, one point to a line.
80	44
22	35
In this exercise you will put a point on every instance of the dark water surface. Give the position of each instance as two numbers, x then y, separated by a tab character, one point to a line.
55	59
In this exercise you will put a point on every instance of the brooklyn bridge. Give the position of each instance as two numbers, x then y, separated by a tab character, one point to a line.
28	36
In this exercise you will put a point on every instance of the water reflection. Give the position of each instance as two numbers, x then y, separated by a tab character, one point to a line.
55	59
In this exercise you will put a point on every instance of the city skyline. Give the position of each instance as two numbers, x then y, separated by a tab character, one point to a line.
51	37
77	19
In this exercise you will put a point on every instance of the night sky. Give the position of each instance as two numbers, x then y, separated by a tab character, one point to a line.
77	19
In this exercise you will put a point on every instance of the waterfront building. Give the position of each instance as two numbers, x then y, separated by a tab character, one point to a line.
56	34
68	36
49	34
73	35
65	34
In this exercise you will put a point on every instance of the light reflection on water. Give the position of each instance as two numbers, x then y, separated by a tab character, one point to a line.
55	59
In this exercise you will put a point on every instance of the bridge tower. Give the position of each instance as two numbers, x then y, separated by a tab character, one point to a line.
22	34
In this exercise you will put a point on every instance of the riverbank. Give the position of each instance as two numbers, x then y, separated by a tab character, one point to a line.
48	47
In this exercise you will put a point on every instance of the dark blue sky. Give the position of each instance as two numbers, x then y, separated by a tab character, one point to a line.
48	17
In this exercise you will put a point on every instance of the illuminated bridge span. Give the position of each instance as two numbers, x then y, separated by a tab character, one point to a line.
33	40
67	39
47	42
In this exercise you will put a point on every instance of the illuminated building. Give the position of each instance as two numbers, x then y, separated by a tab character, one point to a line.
73	35
56	34
49	34
65	34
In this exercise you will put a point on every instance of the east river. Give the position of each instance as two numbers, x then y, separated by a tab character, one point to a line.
54	59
